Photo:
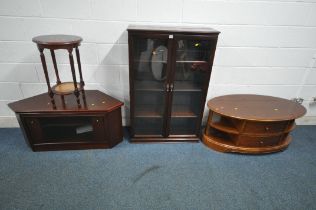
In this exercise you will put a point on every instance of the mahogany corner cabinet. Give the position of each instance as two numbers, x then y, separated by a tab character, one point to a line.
98	124
170	69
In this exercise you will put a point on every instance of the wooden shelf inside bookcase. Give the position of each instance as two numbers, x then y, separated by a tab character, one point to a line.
182	111
250	123
148	111
190	61
185	86
149	86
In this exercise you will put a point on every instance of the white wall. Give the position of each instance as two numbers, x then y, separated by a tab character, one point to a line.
266	47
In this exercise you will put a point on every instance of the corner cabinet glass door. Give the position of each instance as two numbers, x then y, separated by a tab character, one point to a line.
149	59
190	76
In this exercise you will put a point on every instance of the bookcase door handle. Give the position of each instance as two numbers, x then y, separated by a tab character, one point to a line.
171	87
167	87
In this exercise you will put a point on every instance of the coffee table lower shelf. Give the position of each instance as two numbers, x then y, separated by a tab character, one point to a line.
223	146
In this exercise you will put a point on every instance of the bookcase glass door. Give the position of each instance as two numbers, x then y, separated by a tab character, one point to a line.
192	68
149	62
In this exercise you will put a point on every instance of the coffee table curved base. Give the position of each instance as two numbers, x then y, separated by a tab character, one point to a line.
221	147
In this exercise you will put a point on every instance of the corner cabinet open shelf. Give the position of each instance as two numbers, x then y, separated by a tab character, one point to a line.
169	70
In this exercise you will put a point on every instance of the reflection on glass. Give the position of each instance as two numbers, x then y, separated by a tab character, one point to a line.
67	128
182	126
192	67
150	70
150	59
193	50
148	126
149	104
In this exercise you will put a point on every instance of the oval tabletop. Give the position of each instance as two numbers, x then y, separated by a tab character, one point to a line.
57	39
256	107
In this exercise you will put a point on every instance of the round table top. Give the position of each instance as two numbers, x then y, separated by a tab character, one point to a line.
256	107
57	40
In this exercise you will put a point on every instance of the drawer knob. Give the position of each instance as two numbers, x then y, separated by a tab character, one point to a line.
261	142
97	121
32	122
267	128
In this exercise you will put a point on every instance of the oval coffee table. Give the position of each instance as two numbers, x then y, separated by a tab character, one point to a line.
253	124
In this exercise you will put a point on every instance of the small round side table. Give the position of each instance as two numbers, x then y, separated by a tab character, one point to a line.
252	124
69	43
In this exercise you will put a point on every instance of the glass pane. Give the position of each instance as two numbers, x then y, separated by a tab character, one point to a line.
191	65
182	126
150	73
149	104
185	112
148	126
192	70
150	60
193	50
186	104
67	128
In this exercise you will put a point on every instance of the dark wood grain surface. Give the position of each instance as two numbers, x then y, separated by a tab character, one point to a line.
95	101
57	39
172	29
256	107
98	124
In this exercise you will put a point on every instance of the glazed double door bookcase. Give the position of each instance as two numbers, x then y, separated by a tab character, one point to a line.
169	76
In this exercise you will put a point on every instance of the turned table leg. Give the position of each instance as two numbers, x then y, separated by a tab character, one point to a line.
55	65
71	59
80	74
50	92
79	67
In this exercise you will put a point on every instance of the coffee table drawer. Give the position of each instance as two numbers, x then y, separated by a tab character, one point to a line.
264	127
258	141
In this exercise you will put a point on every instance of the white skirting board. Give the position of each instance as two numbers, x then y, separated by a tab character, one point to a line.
8	122
11	122
307	120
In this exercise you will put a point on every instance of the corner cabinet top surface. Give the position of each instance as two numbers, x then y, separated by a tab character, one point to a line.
96	101
172	29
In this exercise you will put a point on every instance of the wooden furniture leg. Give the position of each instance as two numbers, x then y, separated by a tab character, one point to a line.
50	92
71	59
